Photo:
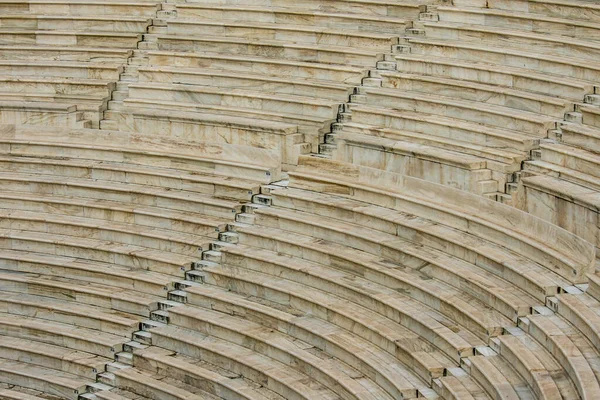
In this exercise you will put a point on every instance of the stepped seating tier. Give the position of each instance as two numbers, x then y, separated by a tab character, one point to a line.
525	66
116	40
326	199
532	21
422	359
126	300
312	329
53	7
208	377
72	54
198	157
285	16
256	65
280	347
90	24
282	379
553	45
453	207
481	320
67	386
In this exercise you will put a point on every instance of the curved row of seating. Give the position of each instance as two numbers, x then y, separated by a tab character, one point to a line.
165	256
317	250
342	266
471	90
299	64
68	54
97	227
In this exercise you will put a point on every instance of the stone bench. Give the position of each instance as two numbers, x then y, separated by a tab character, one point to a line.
517	19
531	361
279	346
91	96
378	7
121	255
58	358
80	315
534	42
56	86
570	353
324	335
574	158
71	54
218	78
118	394
484	93
538	167
272	134
41	113
579	135
116	212
497	377
590	116
572	69
117	40
432	163
352	22
365	7
310	294
523	234
167	154
497	292
300	34
582	10
445	128
461	312
61	334
67	386
276	376
458	387
220	187
168	363
16	394
257	65
447	105
126	24
109	297
581	311
137	381
125	233
500	159
144	281
430	232
551	198
298	127
238	98
91	107
439	160
280	50
77	70
470	69
121	192
57	7
570	163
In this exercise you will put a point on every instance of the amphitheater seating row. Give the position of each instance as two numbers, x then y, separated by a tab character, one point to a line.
471	90
91	247
292	270
279	69
66	54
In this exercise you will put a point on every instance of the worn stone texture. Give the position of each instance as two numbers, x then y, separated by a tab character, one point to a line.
313	199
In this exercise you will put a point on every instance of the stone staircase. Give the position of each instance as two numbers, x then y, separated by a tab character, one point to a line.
138	58
106	380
